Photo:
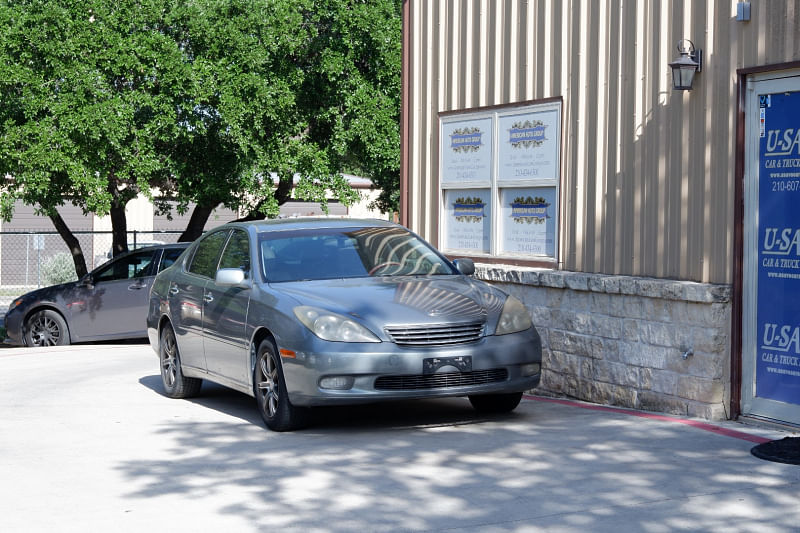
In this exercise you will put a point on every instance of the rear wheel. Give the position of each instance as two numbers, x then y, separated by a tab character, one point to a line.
495	403
176	385
46	328
270	390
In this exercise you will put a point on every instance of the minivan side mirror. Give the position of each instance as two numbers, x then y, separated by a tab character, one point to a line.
230	277
465	266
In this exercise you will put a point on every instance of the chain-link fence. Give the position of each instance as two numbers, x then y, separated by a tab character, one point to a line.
32	259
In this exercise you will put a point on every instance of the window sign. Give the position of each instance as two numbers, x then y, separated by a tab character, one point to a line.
504	206
528	146
778	309
468	219
467	151
528	221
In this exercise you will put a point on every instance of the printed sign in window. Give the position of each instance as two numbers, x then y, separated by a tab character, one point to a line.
528	147
778	308
467	151
468	220
528	221
500	173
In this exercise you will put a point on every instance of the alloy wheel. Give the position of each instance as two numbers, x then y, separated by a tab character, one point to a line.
169	367
268	385
45	331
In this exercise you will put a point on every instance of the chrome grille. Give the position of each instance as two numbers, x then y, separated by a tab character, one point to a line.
442	380
436	335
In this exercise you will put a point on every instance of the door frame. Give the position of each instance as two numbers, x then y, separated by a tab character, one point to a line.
744	75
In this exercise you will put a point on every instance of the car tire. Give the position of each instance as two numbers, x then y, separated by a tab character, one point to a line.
495	403
176	385
46	328
272	398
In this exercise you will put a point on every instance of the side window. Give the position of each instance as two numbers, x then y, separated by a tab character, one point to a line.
237	252
133	266
204	262
169	257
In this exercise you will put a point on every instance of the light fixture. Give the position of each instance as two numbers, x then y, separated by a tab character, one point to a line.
684	68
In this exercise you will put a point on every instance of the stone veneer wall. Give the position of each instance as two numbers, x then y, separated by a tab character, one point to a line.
622	340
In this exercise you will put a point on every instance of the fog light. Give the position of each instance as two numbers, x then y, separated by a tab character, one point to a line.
336	382
531	369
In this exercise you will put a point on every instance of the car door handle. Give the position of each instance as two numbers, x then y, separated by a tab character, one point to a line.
174	290
208	298
136	286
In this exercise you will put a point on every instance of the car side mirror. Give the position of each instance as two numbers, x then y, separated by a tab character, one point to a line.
230	277
465	266
86	281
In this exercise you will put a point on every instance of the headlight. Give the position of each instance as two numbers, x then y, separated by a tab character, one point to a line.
333	327
513	318
14	304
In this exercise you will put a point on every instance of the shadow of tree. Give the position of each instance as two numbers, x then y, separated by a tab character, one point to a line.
437	465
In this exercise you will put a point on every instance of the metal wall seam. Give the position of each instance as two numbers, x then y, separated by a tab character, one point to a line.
646	171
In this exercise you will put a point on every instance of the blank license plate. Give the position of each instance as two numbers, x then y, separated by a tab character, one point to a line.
462	362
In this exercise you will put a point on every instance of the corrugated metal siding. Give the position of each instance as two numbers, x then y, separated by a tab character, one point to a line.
647	172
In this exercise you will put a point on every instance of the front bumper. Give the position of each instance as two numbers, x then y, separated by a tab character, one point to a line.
12	324
513	362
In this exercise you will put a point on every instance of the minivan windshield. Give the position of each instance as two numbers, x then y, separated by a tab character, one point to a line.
332	253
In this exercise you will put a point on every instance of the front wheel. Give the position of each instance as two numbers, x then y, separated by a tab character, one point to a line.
176	385
270	390
495	403
46	328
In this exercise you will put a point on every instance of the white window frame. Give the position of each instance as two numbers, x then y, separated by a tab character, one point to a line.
551	148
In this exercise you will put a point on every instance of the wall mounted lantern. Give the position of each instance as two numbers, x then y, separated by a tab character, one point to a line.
685	67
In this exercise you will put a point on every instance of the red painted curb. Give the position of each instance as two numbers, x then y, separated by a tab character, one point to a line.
693	423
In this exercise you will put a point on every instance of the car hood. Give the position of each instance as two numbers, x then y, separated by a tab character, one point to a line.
386	301
49	294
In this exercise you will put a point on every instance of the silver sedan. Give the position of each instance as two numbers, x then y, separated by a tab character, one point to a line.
306	312
106	304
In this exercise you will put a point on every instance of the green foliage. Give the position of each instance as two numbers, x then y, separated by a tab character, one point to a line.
84	113
58	268
352	89
103	99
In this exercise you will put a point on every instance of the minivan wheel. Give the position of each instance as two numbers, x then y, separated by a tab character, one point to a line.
176	385
46	328
495	403
270	390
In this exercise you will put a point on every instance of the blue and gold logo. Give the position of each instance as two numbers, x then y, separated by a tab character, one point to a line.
466	140
469	209
527	134
529	210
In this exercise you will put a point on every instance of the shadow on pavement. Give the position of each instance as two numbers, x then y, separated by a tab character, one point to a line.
363	417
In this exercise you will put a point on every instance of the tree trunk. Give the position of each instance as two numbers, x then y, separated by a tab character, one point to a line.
283	193
119	229
197	222
72	243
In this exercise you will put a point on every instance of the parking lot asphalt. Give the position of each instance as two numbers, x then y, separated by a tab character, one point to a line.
89	443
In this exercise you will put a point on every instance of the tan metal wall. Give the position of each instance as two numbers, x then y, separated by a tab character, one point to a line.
647	172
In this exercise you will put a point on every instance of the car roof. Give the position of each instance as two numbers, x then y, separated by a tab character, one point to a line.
166	245
143	248
156	247
285	224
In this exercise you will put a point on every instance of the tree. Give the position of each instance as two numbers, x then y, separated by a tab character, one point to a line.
195	102
325	98
88	107
352	89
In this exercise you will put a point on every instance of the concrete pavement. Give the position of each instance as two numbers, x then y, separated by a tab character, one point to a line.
88	443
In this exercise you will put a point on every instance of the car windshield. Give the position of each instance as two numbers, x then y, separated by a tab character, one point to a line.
332	253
